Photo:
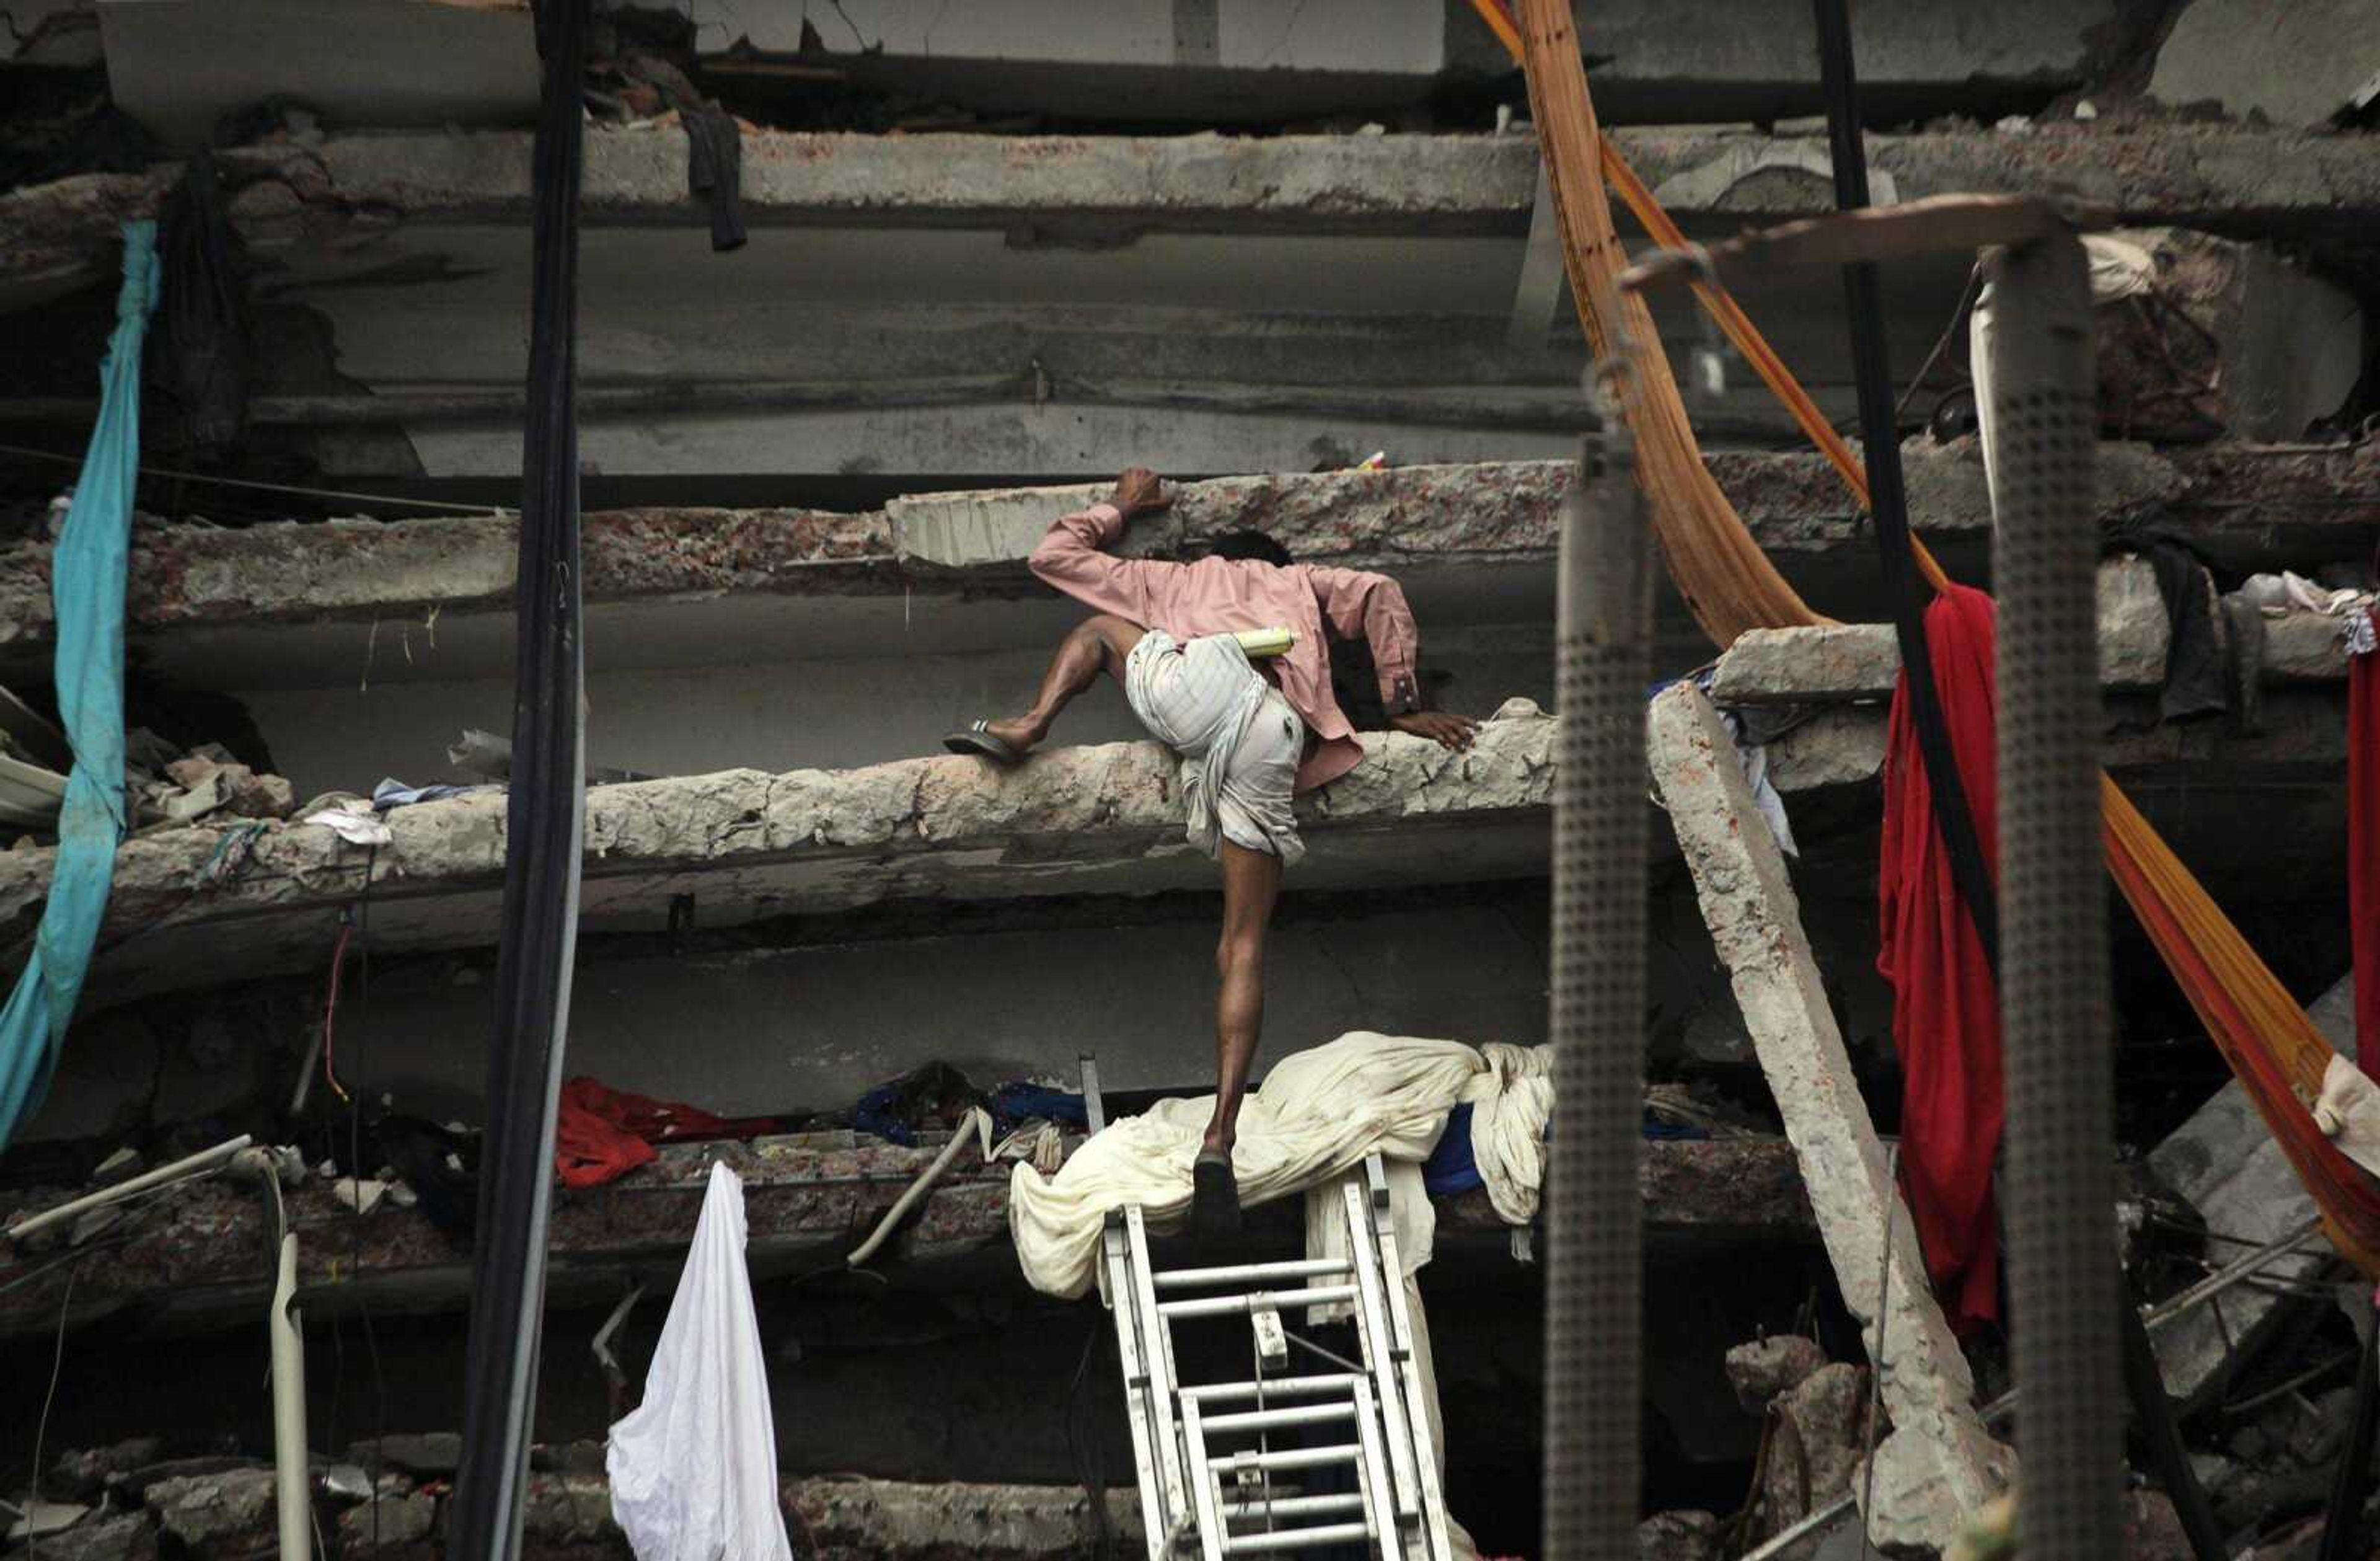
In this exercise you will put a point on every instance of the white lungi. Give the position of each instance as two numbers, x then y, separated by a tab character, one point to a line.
1239	740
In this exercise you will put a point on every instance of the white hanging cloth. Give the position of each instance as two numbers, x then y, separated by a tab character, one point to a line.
694	1466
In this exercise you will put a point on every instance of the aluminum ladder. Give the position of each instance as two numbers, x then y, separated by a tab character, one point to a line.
1210	1481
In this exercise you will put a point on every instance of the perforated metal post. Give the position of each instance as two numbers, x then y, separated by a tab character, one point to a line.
2053	998
1595	1277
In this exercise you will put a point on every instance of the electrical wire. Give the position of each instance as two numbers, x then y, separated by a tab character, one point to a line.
42	1429
442	507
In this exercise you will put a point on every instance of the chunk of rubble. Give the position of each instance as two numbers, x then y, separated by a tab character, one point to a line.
1762	1369
225	1517
2232	1171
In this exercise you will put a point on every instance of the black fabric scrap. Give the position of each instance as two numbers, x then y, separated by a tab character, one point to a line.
714	167
2196	679
203	313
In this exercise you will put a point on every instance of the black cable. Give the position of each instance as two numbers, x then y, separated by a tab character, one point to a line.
544	825
1952	812
1889	499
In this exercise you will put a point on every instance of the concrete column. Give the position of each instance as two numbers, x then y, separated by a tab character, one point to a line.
1938	1462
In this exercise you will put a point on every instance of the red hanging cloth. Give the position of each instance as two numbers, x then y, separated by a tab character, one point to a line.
1945	1016
2363	850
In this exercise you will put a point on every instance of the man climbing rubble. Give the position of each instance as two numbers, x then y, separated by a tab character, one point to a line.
1249	731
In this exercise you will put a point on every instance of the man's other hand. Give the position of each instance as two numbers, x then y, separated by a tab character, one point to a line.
1139	492
1453	732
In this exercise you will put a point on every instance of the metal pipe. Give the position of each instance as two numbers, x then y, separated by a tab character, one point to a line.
293	1499
292	1464
1292	1458
1261	1419
1298	1539
1278	1387
976	1122
1241	1305
1595	1281
2246	1266
2054	993
188	1166
1251	1272
1292	1507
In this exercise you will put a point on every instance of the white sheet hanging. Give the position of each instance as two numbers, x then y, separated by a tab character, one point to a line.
694	1466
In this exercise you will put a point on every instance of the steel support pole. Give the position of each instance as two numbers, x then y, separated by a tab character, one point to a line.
1595	1281
2053	997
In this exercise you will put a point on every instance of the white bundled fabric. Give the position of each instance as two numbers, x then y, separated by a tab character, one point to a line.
694	1466
1319	1113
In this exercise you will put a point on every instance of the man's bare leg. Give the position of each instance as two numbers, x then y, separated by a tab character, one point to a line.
1251	884
1095	645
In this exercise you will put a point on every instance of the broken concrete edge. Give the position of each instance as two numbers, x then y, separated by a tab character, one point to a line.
2236	501
814	841
2151	172
1104	803
200	1263
1840	662
228	1515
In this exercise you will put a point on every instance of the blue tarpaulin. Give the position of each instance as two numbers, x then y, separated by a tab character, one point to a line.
87	589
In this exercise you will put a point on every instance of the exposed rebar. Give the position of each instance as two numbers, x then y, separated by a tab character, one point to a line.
2053	998
1595	1278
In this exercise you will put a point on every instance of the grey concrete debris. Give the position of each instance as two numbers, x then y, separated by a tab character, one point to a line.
1678	1536
1762	1369
2231	1169
1863	661
1939	1464
2296	63
216	1516
1080	820
84	1473
100	1537
2243	505
1821	1438
391	1524
418	1453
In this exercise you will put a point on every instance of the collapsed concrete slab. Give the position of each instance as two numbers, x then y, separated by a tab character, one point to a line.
1863	661
1123	185
743	845
1939	1465
194	1264
2243	506
2230	1167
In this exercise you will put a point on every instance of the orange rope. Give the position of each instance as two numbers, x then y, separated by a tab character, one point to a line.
2265	1036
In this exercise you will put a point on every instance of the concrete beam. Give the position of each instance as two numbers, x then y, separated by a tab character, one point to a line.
194	1266
1862	660
2245	506
1116	185
747	845
1938	1466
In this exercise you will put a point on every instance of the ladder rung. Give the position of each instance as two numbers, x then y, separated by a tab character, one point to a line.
1293	1539
1294	1507
1249	1273
1270	1301
1259	1419
1288	1458
1272	1387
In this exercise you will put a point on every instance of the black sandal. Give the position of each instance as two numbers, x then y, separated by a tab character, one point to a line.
979	740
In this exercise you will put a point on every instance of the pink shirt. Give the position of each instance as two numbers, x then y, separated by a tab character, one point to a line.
1221	595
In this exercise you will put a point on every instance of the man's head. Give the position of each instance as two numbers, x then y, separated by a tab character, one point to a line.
1249	544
